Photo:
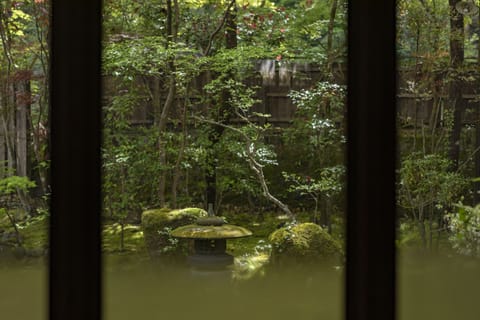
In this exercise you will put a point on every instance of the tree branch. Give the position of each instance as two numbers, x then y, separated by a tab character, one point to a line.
254	165
220	26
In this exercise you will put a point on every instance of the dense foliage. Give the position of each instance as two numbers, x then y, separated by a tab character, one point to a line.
196	72
201	142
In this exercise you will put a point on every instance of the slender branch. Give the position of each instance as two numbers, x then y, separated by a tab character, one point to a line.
219	27
331	25
469	158
6	43
147	86
254	165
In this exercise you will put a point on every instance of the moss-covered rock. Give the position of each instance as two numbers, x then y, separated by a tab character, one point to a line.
303	243
157	225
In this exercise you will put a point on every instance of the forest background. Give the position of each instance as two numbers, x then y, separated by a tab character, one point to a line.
194	64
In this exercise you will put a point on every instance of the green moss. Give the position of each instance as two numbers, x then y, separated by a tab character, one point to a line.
303	243
157	225
133	239
243	246
226	231
33	231
170	217
34	240
251	257
260	225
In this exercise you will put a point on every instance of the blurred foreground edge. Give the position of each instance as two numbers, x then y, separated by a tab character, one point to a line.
75	254
370	270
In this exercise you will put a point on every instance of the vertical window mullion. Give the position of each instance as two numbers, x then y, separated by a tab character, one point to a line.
75	122
370	271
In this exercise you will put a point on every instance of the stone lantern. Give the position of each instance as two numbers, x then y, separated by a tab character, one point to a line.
210	236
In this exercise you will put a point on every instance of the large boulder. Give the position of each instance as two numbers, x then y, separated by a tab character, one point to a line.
303	243
157	225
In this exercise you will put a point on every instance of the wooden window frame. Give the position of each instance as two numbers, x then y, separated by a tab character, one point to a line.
75	265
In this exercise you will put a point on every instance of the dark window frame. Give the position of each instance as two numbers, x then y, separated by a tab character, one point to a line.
75	266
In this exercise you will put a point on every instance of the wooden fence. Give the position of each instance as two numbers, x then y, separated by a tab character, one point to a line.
276	79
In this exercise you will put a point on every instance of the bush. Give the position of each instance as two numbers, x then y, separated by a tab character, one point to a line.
157	225
464	225
303	243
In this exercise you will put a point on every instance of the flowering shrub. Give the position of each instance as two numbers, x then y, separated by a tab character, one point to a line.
465	227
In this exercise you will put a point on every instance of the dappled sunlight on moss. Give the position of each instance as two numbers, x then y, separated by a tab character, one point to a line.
33	231
133	238
248	266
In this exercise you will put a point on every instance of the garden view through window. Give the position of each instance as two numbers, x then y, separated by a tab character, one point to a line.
438	128
24	158
223	159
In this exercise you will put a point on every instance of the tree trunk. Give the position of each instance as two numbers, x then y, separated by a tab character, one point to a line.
434	120
231	27
11	218
157	110
122	236
2	155
315	211
439	233
258	169
421	227
430	227
177	170
172	28
13	222
423	235
212	163
40	128
266	192
477	156
331	25
8	120
477	129
3	137
455	89
162	159
8	143
323	215
224	109
22	102
11	137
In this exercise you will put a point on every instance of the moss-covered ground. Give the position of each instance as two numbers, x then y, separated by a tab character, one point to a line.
250	252
33	231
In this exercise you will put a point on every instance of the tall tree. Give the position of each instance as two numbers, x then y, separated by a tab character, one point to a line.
161	116
455	89
222	111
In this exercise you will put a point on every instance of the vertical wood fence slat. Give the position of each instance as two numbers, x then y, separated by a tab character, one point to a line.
75	258
370	270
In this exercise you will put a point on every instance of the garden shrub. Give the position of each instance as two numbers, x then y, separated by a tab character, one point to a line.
464	227
157	225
